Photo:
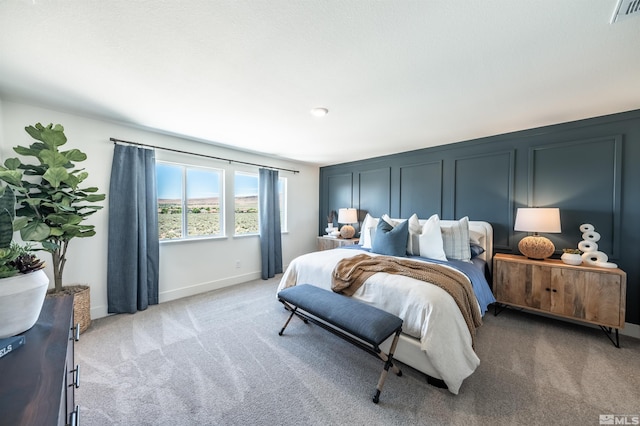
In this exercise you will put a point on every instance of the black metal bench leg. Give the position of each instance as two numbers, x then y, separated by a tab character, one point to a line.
387	365
293	312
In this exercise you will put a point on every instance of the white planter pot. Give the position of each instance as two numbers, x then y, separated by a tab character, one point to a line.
21	299
571	258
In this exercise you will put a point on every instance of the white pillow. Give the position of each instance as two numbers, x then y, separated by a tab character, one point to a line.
456	240
428	241
368	224
392	222
415	229
476	237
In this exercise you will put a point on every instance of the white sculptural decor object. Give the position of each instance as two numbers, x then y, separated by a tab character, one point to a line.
589	247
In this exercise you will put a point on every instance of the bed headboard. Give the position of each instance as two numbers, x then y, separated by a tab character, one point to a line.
483	233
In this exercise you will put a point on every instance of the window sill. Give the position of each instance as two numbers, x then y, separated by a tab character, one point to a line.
192	239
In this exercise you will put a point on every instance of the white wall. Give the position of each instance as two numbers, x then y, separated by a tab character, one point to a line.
187	267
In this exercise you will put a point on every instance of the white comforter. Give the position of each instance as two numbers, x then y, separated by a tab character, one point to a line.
429	313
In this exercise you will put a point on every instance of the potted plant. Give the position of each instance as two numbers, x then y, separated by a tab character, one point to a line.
53	205
23	283
571	256
330	217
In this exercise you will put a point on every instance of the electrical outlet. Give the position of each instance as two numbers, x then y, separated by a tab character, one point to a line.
237	264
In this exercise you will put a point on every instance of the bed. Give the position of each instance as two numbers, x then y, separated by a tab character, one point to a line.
436	339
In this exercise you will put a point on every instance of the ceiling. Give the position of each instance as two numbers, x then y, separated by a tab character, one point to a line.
395	75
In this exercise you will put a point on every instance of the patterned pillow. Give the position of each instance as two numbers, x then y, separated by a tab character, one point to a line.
390	240
455	240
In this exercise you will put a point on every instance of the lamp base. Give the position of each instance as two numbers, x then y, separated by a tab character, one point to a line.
347	231
536	247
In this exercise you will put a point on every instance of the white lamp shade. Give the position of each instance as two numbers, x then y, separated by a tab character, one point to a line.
347	216
538	219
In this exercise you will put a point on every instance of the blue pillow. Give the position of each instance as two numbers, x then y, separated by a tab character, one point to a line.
476	250
390	240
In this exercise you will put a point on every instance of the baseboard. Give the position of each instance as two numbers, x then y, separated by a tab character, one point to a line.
166	296
631	330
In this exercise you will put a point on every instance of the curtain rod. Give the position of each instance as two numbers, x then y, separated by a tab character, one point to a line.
114	140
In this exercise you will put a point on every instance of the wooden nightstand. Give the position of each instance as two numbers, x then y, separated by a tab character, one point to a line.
328	243
583	293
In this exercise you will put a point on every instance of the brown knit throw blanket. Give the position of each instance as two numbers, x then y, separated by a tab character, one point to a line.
350	273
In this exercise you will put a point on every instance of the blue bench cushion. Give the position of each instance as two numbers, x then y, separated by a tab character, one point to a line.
363	321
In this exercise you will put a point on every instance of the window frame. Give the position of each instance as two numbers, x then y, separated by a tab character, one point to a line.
184	202
257	176
283	198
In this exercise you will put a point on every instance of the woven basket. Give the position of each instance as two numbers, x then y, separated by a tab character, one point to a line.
81	304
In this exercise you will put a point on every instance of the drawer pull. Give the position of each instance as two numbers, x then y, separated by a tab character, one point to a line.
74	417
76	377
77	332
547	289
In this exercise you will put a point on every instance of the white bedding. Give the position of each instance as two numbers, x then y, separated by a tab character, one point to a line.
430	314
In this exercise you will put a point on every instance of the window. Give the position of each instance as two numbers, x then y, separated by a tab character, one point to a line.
246	203
190	201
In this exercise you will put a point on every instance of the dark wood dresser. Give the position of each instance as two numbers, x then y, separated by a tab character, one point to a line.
39	378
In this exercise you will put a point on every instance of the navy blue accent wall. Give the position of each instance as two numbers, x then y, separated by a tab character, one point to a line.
590	169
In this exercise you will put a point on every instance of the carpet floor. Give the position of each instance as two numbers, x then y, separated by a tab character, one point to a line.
217	359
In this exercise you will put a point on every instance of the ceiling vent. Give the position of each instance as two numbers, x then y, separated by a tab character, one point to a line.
625	9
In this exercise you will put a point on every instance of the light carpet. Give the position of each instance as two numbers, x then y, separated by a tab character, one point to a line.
217	359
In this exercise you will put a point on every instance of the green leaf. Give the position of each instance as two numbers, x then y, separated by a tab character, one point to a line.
75	155
19	223
8	201
72	181
12	163
50	246
56	232
35	231
56	175
63	219
6	229
32	201
34	132
53	137
12	177
53	158
86	234
94	197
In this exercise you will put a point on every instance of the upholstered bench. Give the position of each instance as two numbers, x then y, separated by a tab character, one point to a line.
362	325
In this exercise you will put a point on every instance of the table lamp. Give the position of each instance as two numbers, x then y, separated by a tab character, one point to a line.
537	219
347	217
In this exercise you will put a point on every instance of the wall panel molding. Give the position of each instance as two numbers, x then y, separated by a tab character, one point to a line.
483	189
374	191
420	189
583	178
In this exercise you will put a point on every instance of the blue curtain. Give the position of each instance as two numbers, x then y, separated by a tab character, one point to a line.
133	247
270	239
